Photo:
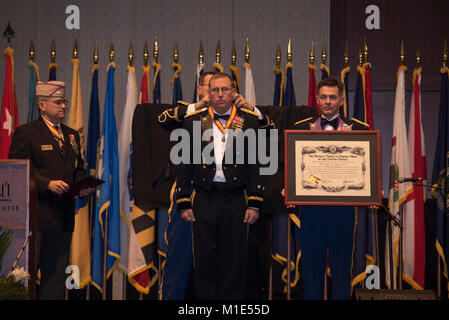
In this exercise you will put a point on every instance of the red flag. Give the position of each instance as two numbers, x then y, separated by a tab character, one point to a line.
145	86
312	89
9	119
368	99
414	231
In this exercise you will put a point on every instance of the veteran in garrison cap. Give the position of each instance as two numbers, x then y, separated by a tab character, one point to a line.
54	151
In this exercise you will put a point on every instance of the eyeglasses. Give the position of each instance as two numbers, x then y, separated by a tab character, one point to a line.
324	97
224	90
58	102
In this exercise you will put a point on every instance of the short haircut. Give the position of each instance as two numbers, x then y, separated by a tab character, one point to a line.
203	76
331	82
220	75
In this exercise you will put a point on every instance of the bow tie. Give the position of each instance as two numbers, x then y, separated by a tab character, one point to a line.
217	116
333	123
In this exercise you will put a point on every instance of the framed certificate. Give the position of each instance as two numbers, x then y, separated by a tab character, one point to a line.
332	168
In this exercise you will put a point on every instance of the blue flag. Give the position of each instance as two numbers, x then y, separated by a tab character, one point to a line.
156	83
52	72
278	85
289	98
344	74
440	176
107	208
324	71
33	112
93	138
359	97
177	88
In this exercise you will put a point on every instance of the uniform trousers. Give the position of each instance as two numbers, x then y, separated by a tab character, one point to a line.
219	243
325	228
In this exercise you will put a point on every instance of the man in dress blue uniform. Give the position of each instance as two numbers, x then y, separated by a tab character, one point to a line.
322	227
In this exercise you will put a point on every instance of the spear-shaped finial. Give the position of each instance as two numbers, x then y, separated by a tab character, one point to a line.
75	49
289	51
156	50
130	53
146	54
360	54
247	53
218	53
365	50
402	55
323	53
312	55
8	33
111	52
445	53
278	56
201	53
175	53
96	57
233	54
32	51
418	56
346	55
53	51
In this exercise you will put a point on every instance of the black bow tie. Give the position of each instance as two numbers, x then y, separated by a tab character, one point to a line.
333	123
217	116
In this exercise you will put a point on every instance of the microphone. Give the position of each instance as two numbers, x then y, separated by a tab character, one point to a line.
402	180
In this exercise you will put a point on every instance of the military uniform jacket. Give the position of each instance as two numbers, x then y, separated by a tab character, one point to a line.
344	124
34	141
237	174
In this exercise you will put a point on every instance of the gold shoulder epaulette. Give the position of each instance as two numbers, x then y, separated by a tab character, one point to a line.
362	123
195	112
249	111
303	120
183	103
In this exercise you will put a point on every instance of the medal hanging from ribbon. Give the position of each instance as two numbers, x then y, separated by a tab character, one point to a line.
228	123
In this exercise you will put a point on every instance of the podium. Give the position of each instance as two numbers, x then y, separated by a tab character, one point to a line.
18	212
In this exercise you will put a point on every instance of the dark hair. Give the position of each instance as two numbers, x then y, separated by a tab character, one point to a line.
219	75
203	75
331	82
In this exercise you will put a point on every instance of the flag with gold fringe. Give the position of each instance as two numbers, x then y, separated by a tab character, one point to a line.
9	116
33	111
344	78
325	72
93	136
80	250
235	75
199	71
144	96
250	91
399	168
311	101
289	98
107	212
156	82
176	84
414	222
278	86
52	67
440	176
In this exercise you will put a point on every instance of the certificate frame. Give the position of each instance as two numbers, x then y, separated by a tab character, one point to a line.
348	166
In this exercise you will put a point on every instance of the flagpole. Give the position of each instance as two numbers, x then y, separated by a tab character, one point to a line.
105	253
289	235
270	272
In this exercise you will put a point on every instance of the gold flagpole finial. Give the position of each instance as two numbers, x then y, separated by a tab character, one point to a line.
32	51
175	53
445	53
8	34
247	53
278	56
312	55
53	51
323	53
96	57
75	49
233	54
346	55
111	52
365	50
131	54
418	56
146	54
402	55
156	50
360	54
201	53
289	50
218	53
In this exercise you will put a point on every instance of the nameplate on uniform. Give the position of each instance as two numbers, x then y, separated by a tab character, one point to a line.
46	147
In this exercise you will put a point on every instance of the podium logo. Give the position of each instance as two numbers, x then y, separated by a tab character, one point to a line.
73	280
5	192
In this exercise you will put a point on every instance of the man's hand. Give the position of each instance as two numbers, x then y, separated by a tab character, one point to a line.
240	102
187	215
203	103
58	186
251	216
86	192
